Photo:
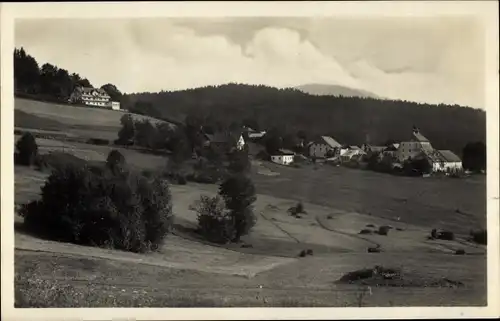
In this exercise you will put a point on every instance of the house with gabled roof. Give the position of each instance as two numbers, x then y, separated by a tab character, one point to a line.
95	97
283	157
225	141
420	147
446	160
414	146
323	147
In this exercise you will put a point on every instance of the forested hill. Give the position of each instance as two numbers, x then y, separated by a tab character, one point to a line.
350	120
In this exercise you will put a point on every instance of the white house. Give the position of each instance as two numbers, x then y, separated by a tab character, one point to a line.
95	97
350	152
115	105
445	160
283	157
323	146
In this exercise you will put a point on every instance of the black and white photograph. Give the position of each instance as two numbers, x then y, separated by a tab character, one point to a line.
252	158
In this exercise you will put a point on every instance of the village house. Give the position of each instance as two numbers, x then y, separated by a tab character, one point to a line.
372	149
283	157
324	147
224	142
350	152
413	147
253	134
391	150
94	97
444	161
419	146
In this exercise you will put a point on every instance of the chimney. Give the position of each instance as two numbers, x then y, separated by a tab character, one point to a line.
415	129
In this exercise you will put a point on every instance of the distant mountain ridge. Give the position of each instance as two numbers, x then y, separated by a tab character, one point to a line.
335	90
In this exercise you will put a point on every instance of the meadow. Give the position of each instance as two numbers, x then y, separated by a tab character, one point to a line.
339	202
72	121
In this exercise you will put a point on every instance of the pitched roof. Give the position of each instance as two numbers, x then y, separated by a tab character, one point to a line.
449	156
374	148
419	137
330	141
217	138
283	152
90	89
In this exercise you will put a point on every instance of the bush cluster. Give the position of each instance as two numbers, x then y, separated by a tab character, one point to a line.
102	207
479	236
229	215
26	150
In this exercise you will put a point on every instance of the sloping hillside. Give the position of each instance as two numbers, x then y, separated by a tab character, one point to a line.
77	121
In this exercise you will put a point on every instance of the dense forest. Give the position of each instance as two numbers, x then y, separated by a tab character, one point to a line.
350	120
285	112
49	82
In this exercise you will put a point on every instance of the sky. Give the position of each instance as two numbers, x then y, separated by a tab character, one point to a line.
423	59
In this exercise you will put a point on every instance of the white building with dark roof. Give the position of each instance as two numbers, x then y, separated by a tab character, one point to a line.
94	97
445	160
283	157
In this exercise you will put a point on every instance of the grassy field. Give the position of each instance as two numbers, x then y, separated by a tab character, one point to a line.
340	202
76	121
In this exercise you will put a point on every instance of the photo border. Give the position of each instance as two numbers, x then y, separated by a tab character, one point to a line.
487	10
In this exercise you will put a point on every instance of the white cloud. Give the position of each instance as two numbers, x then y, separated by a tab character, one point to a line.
156	54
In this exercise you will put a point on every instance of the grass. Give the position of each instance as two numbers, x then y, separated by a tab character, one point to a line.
202	273
56	280
79	121
414	200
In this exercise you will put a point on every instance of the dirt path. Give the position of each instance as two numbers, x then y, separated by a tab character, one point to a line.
279	227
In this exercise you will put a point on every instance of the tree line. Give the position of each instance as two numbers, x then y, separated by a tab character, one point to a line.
48	81
288	115
350	120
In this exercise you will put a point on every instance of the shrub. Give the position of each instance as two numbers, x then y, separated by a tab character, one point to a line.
229	215
460	252
98	141
59	160
26	150
365	231
115	161
370	225
479	237
239	162
383	230
303	253
181	180
434	234
309	252
214	220
101	208
374	250
446	235
297	209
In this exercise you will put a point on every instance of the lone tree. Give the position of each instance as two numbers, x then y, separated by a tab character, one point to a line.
127	132
239	162
238	193
474	156
115	161
27	150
